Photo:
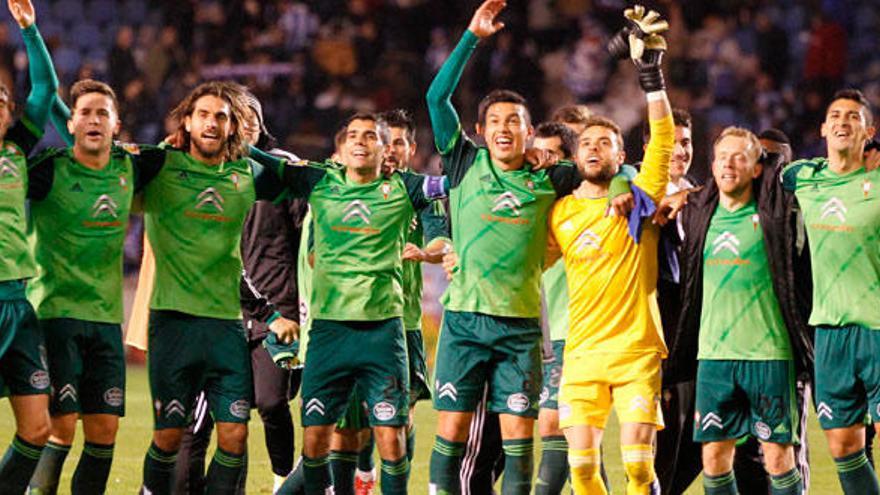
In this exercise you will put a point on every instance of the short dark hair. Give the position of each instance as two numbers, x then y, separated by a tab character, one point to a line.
571	114
601	121
86	86
857	96
501	96
381	125
400	119
680	118
774	135
566	135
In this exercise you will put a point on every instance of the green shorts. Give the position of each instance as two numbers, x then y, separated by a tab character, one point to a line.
738	398
418	368
847	375
87	366
187	354
552	375
367	356
357	416
23	366
477	349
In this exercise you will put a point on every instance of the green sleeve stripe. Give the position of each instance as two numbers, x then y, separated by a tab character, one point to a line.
456	137
32	127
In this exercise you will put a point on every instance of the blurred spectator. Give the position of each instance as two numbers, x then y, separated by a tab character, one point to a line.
121	64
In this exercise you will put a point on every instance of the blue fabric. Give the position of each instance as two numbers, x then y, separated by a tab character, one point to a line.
644	208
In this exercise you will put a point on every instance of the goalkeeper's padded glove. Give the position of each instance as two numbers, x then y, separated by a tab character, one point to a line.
641	42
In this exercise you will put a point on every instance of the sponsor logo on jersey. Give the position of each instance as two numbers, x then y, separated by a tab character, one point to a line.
39	379
762	430
712	420
726	242
175	407
384	411
357	209
824	410
836	208
518	402
210	199
67	392
588	240
114	396
104	206
447	390
8	168
314	406
240	409
507	201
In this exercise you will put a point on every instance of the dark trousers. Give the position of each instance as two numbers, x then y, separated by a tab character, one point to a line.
273	389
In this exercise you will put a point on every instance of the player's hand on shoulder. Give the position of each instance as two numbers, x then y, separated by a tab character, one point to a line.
286	330
484	23
621	205
541	159
23	12
671	205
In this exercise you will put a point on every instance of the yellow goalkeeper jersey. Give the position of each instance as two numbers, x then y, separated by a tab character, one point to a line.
611	262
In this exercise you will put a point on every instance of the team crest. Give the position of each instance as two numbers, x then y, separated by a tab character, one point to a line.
386	190
756	220
866	187
11	148
530	184
123	182
235	179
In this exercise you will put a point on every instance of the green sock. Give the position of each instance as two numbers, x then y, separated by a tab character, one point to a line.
723	484
158	470
93	469
518	466
789	483
553	471
856	475
445	467
365	456
45	478
316	473
342	466
394	476
411	443
224	472
294	484
18	465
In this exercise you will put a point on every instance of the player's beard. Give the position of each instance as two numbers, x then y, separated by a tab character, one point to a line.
601	176
205	150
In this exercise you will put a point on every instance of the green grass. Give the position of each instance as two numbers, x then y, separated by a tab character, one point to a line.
136	428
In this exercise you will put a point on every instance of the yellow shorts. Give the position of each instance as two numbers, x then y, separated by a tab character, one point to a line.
593	383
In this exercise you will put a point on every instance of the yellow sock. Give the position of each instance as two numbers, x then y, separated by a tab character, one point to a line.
585	479
638	462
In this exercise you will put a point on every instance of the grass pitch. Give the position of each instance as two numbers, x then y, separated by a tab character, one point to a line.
136	428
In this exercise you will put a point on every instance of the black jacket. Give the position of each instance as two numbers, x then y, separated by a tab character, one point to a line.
788	260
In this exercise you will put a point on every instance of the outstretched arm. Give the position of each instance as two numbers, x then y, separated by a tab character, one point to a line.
59	115
44	82
444	119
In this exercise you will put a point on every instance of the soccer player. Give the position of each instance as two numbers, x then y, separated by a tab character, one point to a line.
490	334
23	368
270	237
572	116
741	318
205	191
356	340
839	199
614	346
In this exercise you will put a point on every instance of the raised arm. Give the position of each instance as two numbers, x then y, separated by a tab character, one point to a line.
44	82
59	115
444	119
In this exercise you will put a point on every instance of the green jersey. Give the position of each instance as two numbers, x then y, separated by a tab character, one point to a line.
555	287
424	227
359	234
741	318
17	261
499	230
842	217
79	218
194	214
